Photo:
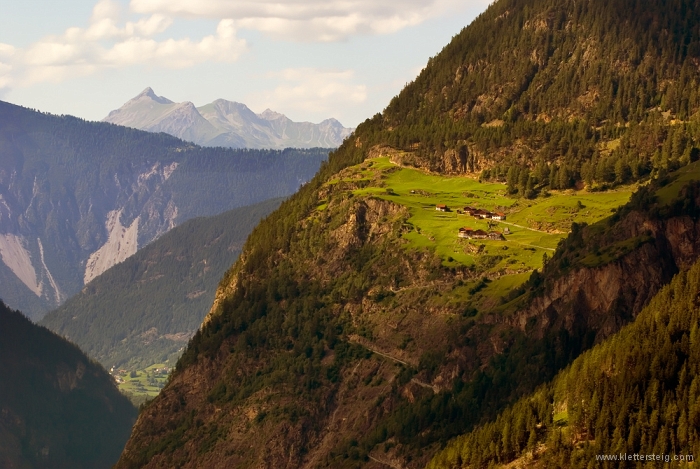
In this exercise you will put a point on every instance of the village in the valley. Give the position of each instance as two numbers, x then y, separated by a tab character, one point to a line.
154	375
479	214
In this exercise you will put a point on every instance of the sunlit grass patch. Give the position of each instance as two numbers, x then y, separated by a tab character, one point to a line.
678	180
534	227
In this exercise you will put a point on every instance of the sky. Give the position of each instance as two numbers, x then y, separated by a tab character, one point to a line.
307	59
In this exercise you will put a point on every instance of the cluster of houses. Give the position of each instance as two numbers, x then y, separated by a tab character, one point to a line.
471	233
118	374
479	214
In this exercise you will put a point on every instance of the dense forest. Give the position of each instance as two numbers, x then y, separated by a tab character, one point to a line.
547	94
636	393
58	408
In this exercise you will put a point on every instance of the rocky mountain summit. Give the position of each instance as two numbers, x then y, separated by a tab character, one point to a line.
225	123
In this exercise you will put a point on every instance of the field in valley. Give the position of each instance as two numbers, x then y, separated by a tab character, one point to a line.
142	384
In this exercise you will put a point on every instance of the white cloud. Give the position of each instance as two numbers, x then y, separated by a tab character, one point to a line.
311	91
107	43
309	20
6	54
106	9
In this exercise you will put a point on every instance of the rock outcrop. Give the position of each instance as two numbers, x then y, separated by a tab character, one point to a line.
602	299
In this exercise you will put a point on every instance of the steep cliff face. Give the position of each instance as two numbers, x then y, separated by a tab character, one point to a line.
451	162
650	250
602	299
54	245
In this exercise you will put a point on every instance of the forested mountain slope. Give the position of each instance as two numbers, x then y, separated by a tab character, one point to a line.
144	310
347	336
636	394
58	409
77	197
333	335
604	90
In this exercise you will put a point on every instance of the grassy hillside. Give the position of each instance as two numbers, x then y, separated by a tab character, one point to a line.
144	311
535	226
58	409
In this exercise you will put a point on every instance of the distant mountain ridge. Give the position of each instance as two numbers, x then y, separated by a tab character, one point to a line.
77	197
225	124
